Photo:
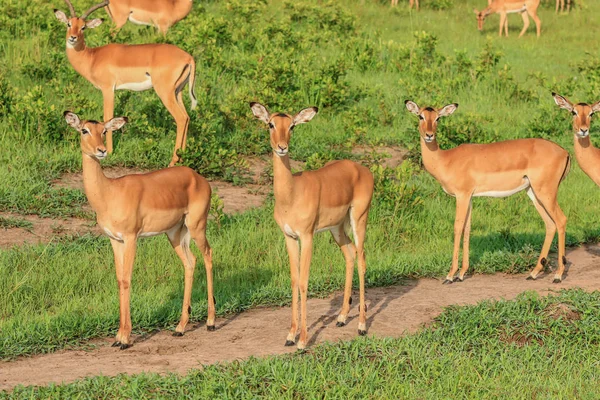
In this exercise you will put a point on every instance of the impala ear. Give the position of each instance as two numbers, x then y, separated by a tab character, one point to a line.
562	102
61	16
596	107
448	110
476	11
115	123
412	107
260	112
73	120
304	116
94	23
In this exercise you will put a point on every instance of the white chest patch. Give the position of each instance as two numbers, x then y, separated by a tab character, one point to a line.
288	231
136	86
138	22
115	236
504	193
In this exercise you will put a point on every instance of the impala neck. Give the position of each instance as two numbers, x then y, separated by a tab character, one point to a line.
432	156
79	57
283	181
95	184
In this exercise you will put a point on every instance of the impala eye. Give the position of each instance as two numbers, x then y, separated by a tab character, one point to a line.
271	126
85	131
68	24
573	112
421	117
83	28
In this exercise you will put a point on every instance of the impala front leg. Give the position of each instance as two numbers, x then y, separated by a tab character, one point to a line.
466	241
124	281
305	259
462	207
293	249
109	105
502	22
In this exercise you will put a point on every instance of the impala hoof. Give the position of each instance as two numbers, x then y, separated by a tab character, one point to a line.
362	332
339	324
557	280
447	282
530	278
210	328
177	334
458	279
289	343
124	346
116	344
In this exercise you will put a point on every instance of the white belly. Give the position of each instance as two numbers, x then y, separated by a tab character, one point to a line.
136	86
520	10
138	22
504	193
149	234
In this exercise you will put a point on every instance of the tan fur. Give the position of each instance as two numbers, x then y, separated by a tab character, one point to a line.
111	66
497	170
561	4
174	201
329	198
504	7
411	3
159	13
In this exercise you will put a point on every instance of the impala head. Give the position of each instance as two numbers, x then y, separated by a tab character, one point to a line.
428	118
92	133
582	114
281	125
77	25
480	18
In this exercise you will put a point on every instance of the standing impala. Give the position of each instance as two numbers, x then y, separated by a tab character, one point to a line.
162	14
174	201
330	198
496	170
112	67
586	154
561	3
503	7
411	3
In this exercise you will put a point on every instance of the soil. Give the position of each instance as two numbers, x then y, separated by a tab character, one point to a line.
393	311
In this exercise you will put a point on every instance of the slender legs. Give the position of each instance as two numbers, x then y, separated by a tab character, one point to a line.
525	23
305	259
293	248
463	207
124	253
109	104
349	252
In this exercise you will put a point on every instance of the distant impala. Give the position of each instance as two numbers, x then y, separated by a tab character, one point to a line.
503	7
162	14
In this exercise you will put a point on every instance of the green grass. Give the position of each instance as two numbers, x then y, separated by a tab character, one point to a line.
357	61
531	347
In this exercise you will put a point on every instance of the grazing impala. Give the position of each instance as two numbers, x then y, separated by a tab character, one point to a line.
503	7
586	154
174	201
165	67
411	3
162	14
330	198
496	170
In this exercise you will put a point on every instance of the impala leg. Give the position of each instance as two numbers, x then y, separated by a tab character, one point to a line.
536	19
305	259
169	99
187	122
118	252
109	105
525	23
124	270
360	229
198	231
557	5
568	5
417	2
181	244
349	252
466	241
462	207
550	232
293	249
502	22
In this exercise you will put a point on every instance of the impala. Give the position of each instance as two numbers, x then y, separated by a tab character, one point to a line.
586	154
112	67
495	170
162	14
503	7
328	199
561	3
411	3
174	201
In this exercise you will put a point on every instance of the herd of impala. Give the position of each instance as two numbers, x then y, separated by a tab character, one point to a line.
335	198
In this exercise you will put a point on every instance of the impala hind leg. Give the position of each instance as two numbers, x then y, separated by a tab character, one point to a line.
108	95
180	240
525	23
462	208
168	96
349	251
124	258
550	232
359	230
197	229
466	242
537	20
306	243
293	249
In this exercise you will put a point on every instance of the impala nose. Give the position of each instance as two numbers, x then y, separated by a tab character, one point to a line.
584	132
101	151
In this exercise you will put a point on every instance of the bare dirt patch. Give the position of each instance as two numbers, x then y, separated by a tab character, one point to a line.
393	311
392	155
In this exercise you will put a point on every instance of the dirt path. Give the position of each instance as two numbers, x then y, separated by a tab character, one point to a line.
393	311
